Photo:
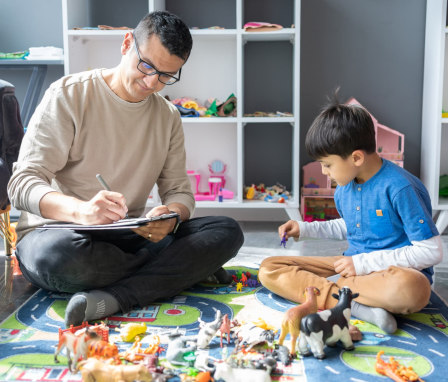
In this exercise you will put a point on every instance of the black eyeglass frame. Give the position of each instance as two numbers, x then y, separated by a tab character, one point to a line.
176	79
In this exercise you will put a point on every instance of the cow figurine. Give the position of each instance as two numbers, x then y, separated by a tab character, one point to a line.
328	326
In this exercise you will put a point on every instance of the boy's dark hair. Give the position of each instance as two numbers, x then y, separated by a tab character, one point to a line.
172	31
340	129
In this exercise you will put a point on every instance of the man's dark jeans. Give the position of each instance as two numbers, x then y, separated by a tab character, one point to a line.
126	265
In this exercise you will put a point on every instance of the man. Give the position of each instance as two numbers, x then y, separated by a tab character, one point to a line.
114	122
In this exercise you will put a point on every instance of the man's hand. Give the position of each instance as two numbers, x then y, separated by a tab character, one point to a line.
104	208
157	230
345	266
290	228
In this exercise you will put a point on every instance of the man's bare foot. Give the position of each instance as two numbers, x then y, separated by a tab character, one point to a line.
355	333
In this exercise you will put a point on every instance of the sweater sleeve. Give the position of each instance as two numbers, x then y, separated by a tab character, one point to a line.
420	255
330	229
173	182
44	151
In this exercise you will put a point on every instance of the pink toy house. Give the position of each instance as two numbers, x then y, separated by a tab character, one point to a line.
389	142
317	201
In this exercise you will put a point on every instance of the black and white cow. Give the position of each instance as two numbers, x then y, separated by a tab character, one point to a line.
328	326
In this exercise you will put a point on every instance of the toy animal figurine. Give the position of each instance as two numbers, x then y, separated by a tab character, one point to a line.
208	330
76	346
94	370
224	329
130	330
293	316
229	374
202	361
282	354
102	349
177	348
327	326
252	335
394	370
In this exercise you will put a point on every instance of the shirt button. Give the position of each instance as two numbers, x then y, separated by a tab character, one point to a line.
358	208
358	225
359	188
421	221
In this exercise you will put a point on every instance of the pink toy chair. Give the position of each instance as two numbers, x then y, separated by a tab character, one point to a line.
217	169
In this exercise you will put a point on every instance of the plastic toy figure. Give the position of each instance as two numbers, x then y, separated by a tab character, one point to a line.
328	326
293	316
130	330
225	372
102	349
283	241
93	370
208	330
76	346
177	348
394	370
224	329
252	335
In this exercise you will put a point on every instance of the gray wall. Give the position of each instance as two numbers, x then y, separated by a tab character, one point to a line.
372	49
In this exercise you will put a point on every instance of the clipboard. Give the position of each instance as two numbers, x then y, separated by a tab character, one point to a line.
120	224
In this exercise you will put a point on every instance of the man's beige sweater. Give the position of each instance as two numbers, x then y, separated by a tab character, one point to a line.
82	128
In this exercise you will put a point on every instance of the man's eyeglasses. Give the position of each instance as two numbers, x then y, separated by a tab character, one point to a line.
149	70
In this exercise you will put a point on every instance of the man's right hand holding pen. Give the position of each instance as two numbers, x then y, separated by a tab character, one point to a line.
104	208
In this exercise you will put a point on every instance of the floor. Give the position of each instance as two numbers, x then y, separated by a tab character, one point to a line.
261	240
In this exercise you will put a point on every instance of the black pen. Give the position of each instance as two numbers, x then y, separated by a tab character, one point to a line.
106	187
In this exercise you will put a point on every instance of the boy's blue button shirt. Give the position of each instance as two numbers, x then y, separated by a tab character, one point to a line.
388	211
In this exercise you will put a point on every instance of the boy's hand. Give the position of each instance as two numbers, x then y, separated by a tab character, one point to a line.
345	267
290	228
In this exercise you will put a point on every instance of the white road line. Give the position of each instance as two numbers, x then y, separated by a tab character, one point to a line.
332	370
433	339
436	352
406	342
412	326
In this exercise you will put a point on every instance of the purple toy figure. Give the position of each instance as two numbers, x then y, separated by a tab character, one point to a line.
283	241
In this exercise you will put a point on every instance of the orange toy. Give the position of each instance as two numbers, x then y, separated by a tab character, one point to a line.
102	349
394	370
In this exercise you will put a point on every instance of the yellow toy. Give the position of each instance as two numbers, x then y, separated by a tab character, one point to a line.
129	331
263	324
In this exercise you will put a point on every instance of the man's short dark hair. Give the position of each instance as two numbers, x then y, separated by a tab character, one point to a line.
340	129
172	31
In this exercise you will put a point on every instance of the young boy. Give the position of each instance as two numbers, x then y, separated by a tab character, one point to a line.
385	217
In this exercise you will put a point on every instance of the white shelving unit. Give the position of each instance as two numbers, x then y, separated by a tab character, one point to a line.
434	153
215	69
